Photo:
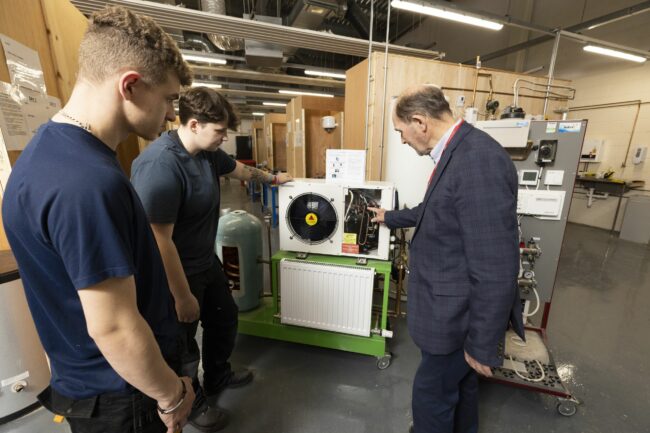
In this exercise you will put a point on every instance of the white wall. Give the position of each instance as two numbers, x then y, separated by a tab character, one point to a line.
614	125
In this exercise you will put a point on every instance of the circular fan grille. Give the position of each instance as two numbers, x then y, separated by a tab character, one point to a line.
311	218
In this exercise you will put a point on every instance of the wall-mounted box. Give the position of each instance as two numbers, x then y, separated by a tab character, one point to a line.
592	150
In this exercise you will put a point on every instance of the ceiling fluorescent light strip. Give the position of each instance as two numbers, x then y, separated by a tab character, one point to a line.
315	73
299	92
204	59
206	84
197	21
446	14
257	113
614	53
274	104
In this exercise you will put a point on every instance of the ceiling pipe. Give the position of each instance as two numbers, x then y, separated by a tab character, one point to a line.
358	19
198	21
225	43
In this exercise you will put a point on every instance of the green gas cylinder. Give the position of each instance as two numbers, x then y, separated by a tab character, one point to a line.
239	247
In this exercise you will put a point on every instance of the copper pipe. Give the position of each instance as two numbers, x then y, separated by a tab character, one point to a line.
480	74
608	105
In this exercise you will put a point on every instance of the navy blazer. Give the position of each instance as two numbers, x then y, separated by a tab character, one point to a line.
464	254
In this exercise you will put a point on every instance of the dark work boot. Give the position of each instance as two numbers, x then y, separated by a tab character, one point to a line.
235	379
210	419
239	378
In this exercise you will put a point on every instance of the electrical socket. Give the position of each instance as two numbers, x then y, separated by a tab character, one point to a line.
460	101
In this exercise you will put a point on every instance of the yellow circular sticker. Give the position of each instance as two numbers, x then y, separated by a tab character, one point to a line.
311	219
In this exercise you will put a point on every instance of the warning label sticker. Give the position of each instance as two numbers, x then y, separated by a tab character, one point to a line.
349	238
311	219
350	248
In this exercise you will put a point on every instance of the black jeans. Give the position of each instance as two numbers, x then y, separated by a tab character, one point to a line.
112	412
106	413
219	321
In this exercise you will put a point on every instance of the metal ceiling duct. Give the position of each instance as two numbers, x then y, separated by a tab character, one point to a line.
260	53
225	43
310	14
198	21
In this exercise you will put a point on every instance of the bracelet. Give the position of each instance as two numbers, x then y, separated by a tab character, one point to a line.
177	405
275	179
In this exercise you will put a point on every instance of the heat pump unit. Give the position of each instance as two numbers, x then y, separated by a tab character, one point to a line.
333	218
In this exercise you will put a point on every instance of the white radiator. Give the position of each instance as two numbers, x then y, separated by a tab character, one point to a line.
324	296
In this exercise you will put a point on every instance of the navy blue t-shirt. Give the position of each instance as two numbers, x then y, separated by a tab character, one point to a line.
183	189
74	220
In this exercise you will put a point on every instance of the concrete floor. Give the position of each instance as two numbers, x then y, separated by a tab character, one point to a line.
597	333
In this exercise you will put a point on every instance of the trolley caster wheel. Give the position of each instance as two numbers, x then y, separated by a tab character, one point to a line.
567	408
384	361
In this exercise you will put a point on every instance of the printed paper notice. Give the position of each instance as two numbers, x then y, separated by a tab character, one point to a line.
5	165
12	119
346	165
23	64
38	109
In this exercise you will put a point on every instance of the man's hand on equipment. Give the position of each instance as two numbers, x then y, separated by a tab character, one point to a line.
187	309
283	178
480	368
379	214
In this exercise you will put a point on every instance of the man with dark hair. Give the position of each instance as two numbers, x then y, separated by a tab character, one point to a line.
464	260
92	272
177	179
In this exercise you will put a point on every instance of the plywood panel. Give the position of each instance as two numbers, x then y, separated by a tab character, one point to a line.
299	139
291	156
319	141
4	244
269	120
257	132
65	26
23	21
320	103
356	82
280	146
453	78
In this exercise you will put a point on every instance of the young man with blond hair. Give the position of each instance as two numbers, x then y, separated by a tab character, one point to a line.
92	272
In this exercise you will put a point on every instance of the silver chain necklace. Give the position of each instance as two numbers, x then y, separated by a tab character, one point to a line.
79	123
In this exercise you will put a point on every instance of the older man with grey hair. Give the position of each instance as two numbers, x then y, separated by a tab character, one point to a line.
464	260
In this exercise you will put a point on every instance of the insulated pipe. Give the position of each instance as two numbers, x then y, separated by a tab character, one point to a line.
225	43
372	17
551	70
358	19
383	101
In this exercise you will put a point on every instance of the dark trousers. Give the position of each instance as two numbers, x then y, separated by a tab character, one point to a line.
106	413
111	412
219	321
445	395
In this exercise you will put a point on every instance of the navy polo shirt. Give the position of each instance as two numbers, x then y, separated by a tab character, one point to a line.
73	220
182	189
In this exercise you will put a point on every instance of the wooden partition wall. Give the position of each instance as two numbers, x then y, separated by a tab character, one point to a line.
257	131
404	71
307	141
274	150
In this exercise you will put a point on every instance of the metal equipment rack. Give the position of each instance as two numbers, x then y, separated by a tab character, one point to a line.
545	233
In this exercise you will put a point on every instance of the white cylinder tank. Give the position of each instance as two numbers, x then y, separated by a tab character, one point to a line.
24	372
